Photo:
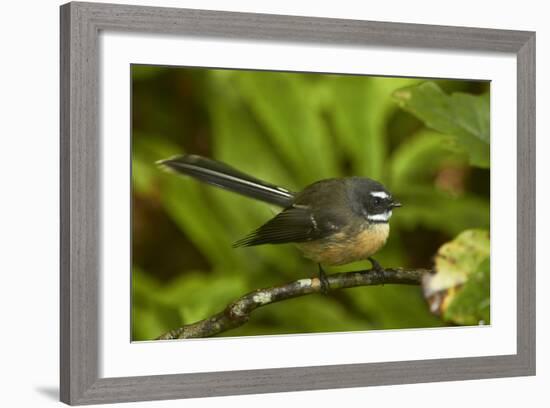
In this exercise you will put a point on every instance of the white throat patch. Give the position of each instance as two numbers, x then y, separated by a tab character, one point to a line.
385	216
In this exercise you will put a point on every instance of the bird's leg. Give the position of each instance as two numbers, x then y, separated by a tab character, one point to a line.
376	266
325	286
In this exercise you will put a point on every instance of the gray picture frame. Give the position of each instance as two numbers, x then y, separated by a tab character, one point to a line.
81	24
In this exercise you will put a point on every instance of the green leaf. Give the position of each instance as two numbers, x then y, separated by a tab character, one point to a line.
471	305
463	116
459	290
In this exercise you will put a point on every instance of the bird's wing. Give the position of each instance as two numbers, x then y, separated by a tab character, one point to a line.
294	224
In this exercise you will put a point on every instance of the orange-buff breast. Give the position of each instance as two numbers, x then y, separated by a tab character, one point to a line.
343	247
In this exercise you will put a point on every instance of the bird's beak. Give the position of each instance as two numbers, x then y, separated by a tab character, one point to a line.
396	204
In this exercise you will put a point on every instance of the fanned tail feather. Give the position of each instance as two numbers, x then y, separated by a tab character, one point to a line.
221	175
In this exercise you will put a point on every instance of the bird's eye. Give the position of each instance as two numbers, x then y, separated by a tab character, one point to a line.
377	201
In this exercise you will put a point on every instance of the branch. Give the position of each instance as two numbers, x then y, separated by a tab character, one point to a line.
238	312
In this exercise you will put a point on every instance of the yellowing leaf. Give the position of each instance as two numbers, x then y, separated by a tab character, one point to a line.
459	289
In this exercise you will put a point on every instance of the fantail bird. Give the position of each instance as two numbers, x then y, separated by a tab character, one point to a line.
333	221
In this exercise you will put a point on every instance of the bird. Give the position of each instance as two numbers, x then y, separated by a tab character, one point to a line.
333	221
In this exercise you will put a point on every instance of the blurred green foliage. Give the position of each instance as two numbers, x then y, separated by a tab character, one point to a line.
292	129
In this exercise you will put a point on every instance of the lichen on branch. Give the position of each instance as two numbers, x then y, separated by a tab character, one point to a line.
239	311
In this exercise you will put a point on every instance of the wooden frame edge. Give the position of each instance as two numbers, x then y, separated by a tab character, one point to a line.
80	26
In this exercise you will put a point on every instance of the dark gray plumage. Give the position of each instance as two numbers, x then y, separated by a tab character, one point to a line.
337	214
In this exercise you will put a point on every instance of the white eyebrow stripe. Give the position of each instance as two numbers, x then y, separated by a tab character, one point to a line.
381	194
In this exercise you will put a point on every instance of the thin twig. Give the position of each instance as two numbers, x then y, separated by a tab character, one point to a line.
238	312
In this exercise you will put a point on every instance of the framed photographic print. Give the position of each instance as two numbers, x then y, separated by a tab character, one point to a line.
321	189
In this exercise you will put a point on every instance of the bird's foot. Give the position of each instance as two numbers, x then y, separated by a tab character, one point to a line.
325	286
376	267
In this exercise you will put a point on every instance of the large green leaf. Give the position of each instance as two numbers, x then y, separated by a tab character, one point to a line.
464	117
459	290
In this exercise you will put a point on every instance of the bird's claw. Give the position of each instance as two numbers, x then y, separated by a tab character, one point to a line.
325	286
376	266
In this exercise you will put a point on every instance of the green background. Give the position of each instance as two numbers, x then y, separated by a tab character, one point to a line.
290	129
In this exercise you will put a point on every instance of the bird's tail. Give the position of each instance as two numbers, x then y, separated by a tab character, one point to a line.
221	175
